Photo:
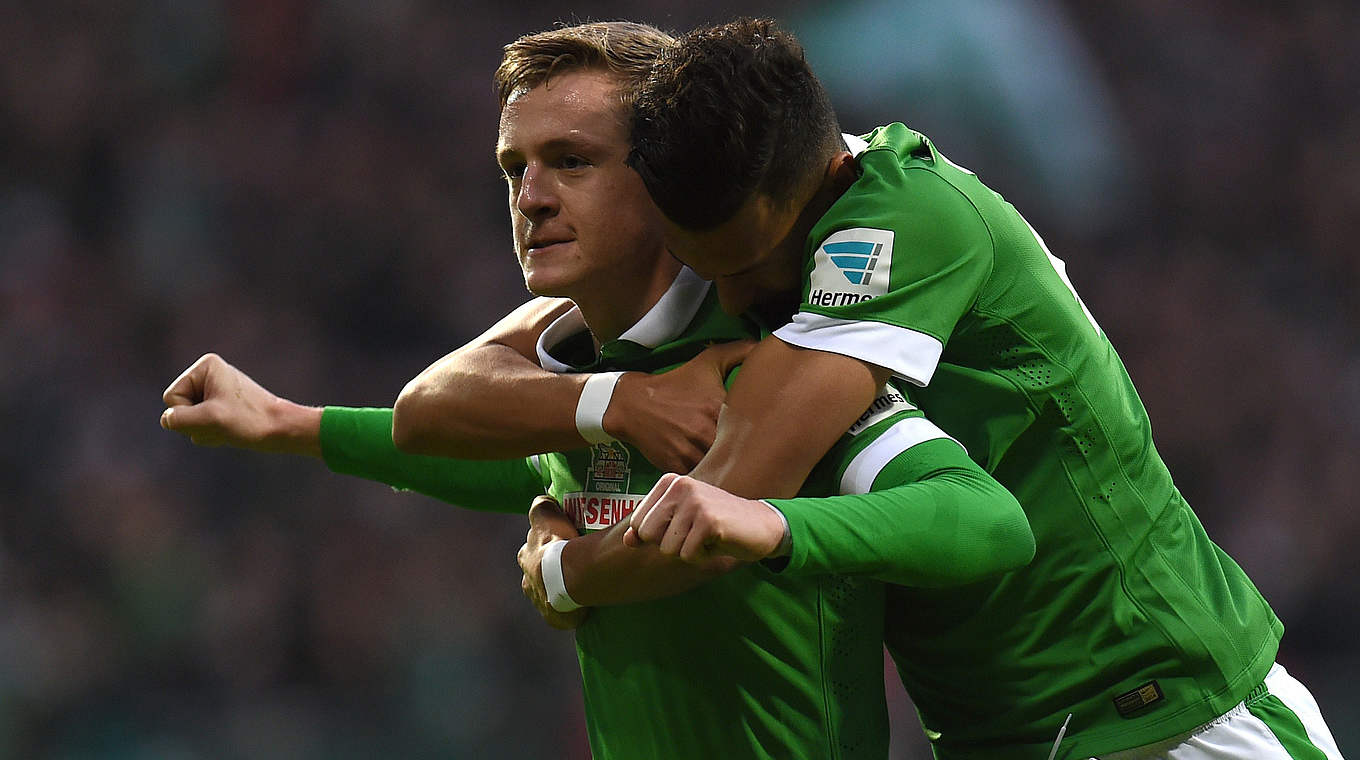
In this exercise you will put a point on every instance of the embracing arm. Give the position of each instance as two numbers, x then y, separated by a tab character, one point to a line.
935	519
786	409
490	399
772	431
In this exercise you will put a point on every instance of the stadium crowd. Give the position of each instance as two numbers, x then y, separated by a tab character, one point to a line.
307	188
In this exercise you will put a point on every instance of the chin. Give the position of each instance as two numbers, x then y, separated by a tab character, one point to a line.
551	287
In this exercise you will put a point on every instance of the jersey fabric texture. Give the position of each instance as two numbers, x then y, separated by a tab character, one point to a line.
754	664
1129	617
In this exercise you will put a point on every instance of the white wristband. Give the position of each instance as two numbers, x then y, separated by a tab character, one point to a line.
553	582
591	406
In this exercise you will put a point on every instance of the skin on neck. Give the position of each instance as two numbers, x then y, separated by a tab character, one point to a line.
609	314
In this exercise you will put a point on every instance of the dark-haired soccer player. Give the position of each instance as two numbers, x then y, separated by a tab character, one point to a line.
1129	619
753	664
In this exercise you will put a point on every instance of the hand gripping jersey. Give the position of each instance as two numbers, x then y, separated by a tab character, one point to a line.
1129	617
755	664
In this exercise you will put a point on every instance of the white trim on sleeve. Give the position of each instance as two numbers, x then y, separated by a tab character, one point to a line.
910	355
868	463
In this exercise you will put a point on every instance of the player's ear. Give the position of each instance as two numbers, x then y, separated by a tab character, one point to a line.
842	170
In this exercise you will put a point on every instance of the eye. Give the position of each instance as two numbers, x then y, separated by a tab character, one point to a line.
512	172
572	161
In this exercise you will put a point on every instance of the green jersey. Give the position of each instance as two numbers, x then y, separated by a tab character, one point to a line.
1129	618
755	664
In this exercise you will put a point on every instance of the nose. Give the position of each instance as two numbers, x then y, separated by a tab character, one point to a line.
537	197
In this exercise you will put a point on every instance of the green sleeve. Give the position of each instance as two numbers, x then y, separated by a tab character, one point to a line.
933	519
359	442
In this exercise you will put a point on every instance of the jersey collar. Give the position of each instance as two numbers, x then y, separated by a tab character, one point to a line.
663	323
856	145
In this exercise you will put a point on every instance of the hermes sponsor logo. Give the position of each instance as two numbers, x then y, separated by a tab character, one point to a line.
888	403
851	266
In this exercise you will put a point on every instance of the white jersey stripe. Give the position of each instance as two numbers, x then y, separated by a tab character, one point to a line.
911	355
860	474
1296	697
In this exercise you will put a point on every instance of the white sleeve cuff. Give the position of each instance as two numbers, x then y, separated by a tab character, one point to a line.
553	582
786	542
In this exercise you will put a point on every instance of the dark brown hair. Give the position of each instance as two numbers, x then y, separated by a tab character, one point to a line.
728	111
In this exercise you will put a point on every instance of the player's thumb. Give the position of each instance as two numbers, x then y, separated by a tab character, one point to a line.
184	417
543	509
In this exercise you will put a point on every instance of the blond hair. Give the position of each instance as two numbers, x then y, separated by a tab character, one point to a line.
622	48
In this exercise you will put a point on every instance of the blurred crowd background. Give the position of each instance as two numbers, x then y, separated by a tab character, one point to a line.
308	189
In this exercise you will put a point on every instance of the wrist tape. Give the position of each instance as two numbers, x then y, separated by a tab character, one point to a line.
593	403
553	582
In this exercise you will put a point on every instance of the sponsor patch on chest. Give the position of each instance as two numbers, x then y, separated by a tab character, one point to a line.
606	499
851	266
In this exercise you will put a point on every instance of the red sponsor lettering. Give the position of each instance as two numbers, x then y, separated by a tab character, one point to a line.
596	511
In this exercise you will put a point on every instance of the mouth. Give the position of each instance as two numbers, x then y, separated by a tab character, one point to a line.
541	244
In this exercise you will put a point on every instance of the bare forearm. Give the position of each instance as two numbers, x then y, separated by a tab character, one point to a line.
785	410
490	399
298	431
487	402
600	570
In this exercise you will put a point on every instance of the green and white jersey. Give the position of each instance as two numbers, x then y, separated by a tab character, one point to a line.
1129	617
750	665
756	664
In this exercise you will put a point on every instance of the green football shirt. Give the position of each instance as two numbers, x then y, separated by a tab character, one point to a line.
757	664
1129	617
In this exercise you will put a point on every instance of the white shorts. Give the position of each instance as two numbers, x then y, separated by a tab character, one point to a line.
1278	721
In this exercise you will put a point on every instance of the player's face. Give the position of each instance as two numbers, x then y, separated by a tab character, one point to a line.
748	256
583	222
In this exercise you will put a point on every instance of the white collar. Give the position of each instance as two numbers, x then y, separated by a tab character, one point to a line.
661	324
854	144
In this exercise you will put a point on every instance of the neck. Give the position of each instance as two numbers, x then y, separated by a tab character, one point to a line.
610	312
787	261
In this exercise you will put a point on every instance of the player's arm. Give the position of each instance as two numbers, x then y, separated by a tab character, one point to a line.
785	410
600	569
771	432
358	442
932	518
490	399
213	403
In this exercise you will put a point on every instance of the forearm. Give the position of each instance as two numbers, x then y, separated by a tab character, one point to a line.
937	520
296	429
600	570
767	443
784	411
490	399
488	402
358	442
